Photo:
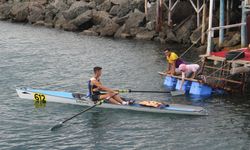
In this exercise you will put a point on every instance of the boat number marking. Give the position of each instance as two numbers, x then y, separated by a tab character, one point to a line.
39	97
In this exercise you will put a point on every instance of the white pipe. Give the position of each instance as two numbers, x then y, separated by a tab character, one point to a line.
209	37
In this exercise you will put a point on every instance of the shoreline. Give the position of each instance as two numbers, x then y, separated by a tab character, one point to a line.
111	18
118	19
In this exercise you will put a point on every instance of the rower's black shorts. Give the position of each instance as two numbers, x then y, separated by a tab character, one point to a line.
95	97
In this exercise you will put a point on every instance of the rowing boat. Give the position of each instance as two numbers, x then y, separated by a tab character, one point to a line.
81	99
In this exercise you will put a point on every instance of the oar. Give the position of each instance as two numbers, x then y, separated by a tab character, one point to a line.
173	93
133	91
61	123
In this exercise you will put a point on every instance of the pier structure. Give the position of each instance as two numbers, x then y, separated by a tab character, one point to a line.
170	5
217	69
221	72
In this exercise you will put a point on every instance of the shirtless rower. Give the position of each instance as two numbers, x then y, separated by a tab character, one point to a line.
95	87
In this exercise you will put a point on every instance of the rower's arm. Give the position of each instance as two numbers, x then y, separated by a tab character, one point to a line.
173	67
101	87
182	79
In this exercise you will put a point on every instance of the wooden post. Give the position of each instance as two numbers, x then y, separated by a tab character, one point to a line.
209	37
159	15
203	30
222	16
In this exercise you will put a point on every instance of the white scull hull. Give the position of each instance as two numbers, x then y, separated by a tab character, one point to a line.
68	98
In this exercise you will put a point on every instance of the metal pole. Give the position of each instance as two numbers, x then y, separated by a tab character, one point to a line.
203	22
146	8
228	14
198	13
243	27
222	16
209	37
170	13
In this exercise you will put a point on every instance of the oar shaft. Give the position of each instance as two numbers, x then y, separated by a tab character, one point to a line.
80	113
149	91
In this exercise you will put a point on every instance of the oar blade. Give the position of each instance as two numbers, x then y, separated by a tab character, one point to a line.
56	127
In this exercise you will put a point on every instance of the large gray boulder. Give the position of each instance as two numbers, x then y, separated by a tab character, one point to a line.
109	29
36	12
60	5
123	10
5	11
137	4
69	27
19	12
119	32
171	37
101	17
89	33
120	8
121	20
82	19
42	2
53	9
59	21
75	10
136	19
118	2
184	32
196	35
235	40
114	10
145	35
105	6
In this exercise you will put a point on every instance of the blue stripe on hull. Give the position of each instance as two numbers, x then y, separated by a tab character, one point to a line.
53	93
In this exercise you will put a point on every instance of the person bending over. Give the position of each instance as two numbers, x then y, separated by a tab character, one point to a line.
173	62
188	71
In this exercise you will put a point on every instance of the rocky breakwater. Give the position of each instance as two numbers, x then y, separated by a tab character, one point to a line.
112	18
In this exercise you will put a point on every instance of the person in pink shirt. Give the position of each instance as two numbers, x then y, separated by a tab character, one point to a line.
188	71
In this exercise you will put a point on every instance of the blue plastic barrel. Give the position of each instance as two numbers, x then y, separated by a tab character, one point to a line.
186	86
170	81
200	89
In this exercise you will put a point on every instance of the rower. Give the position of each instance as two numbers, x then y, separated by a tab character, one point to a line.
173	62
95	87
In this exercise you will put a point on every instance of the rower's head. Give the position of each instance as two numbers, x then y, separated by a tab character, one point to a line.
167	52
97	71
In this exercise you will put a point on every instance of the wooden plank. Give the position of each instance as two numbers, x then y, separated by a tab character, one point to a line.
178	77
217	58
211	67
239	61
223	79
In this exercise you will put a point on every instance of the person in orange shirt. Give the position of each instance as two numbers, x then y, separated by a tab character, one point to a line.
173	62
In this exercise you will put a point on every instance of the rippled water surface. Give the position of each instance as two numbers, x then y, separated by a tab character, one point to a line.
57	60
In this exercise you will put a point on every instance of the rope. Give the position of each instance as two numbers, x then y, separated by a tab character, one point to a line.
190	47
